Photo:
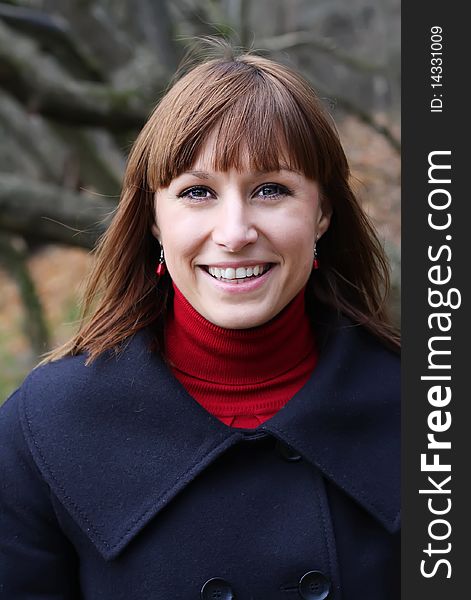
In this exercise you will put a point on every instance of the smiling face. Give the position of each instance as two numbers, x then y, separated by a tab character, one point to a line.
238	244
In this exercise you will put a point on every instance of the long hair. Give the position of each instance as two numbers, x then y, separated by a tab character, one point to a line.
251	103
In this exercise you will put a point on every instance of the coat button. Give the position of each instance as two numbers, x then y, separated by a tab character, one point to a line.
287	452
314	585
216	589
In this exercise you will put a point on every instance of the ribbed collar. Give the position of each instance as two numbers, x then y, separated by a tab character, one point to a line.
198	348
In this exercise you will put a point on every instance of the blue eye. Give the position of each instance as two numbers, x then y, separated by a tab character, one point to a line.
269	191
196	192
273	190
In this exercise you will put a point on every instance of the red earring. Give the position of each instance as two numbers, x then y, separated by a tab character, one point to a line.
315	262
161	269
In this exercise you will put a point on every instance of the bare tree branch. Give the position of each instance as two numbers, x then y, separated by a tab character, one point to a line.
54	33
35	328
347	105
94	29
155	25
35	138
51	214
363	116
38	82
294	39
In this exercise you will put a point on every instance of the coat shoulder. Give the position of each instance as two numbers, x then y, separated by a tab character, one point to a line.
361	360
69	387
67	402
34	553
378	360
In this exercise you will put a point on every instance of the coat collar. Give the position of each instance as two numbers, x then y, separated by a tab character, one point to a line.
117	440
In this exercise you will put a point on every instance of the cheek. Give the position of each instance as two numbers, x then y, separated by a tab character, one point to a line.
297	233
182	239
178	248
296	243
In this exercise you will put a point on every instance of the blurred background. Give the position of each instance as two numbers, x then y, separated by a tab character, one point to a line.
77	81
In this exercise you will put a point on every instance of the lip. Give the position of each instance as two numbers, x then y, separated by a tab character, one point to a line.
247	285
235	265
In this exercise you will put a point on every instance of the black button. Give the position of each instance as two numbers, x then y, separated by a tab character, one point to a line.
216	589
314	585
287	452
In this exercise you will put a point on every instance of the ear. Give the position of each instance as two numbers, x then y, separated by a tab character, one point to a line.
325	215
155	229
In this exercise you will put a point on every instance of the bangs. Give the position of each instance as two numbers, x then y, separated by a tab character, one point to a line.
251	114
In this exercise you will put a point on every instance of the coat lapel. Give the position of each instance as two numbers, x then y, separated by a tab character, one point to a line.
346	421
117	440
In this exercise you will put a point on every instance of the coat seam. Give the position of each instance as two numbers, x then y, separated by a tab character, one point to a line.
321	510
79	512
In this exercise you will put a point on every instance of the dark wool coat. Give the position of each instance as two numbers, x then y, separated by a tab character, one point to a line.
116	484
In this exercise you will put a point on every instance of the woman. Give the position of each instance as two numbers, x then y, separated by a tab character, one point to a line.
225	422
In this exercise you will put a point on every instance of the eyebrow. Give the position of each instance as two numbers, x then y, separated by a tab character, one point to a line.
205	175
199	174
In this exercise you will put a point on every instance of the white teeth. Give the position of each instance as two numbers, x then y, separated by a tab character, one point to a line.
239	273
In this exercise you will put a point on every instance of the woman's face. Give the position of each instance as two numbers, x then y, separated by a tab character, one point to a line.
238	245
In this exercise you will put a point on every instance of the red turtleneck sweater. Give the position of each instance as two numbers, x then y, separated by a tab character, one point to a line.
241	376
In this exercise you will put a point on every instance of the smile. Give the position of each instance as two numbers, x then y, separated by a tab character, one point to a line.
234	274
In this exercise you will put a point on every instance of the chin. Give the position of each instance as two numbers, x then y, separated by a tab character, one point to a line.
242	321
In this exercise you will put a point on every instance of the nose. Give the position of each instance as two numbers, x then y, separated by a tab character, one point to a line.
234	227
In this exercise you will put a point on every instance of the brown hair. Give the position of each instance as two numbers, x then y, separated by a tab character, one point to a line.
258	104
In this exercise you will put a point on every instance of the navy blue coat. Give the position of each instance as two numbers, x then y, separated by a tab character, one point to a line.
116	484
